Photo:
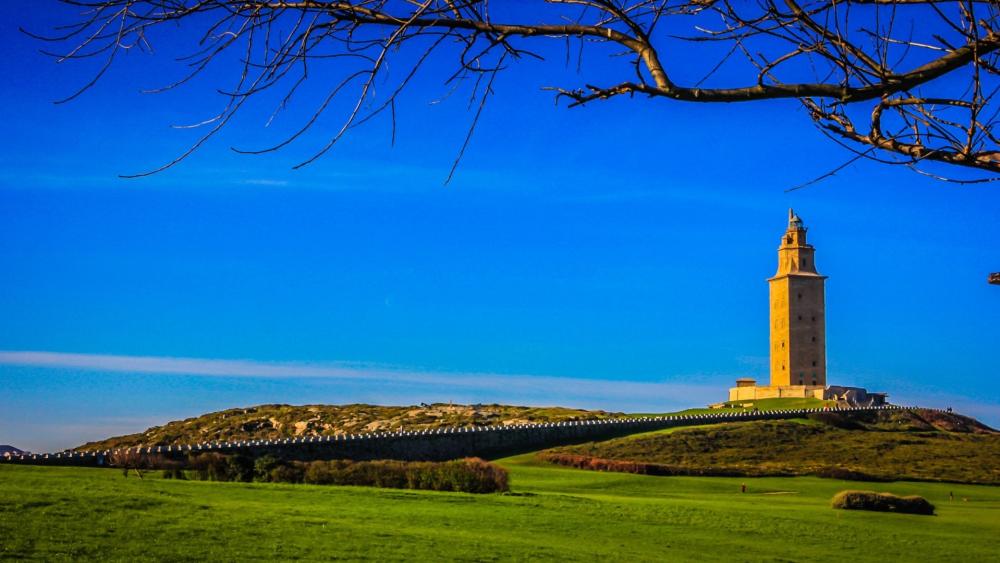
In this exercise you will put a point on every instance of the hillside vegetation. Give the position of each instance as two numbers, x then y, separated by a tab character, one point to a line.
552	514
879	445
286	421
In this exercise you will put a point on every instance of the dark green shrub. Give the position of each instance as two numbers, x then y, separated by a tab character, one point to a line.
263	467
239	468
210	466
287	473
468	475
881	502
471	475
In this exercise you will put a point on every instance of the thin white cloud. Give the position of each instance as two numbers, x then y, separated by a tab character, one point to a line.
388	381
549	389
265	182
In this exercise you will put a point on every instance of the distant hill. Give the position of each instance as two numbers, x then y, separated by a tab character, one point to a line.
9	450
921	445
284	421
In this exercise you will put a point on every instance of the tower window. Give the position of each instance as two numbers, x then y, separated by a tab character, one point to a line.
800	317
788	239
800	296
814	339
814	365
805	262
814	319
782	343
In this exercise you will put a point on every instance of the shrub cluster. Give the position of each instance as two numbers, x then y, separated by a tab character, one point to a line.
213	466
637	467
881	502
471	475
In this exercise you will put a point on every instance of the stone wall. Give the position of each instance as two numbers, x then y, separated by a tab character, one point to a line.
432	445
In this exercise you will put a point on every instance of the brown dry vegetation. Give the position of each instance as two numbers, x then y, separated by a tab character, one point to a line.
877	446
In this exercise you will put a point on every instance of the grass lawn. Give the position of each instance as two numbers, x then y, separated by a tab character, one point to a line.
553	513
884	446
761	404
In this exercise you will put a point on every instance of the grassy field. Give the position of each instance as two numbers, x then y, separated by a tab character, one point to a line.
915	445
762	404
553	513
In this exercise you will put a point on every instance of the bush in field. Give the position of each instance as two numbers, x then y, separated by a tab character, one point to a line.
263	467
881	502
210	466
489	476
172	469
323	473
287	473
471	475
240	468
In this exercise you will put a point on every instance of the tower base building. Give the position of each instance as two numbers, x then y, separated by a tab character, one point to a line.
747	390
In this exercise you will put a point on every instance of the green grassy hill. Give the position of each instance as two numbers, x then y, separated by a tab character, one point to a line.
886	445
285	421
553	513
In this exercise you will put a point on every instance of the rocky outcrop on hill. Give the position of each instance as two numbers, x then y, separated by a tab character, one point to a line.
287	421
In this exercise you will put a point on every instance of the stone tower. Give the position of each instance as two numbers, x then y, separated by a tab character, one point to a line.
798	318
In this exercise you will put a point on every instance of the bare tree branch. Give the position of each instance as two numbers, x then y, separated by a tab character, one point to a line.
914	79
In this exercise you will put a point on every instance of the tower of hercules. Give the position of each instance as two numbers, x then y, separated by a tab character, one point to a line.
798	333
798	319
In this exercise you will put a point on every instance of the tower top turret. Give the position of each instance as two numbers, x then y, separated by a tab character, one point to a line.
795	254
794	221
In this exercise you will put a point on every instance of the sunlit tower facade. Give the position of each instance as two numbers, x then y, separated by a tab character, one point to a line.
798	312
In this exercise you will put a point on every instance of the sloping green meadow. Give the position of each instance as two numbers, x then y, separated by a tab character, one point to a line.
553	513
806	447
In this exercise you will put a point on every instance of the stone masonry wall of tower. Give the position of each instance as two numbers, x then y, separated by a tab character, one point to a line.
798	318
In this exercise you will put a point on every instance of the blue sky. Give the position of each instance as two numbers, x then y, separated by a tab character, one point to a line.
612	256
